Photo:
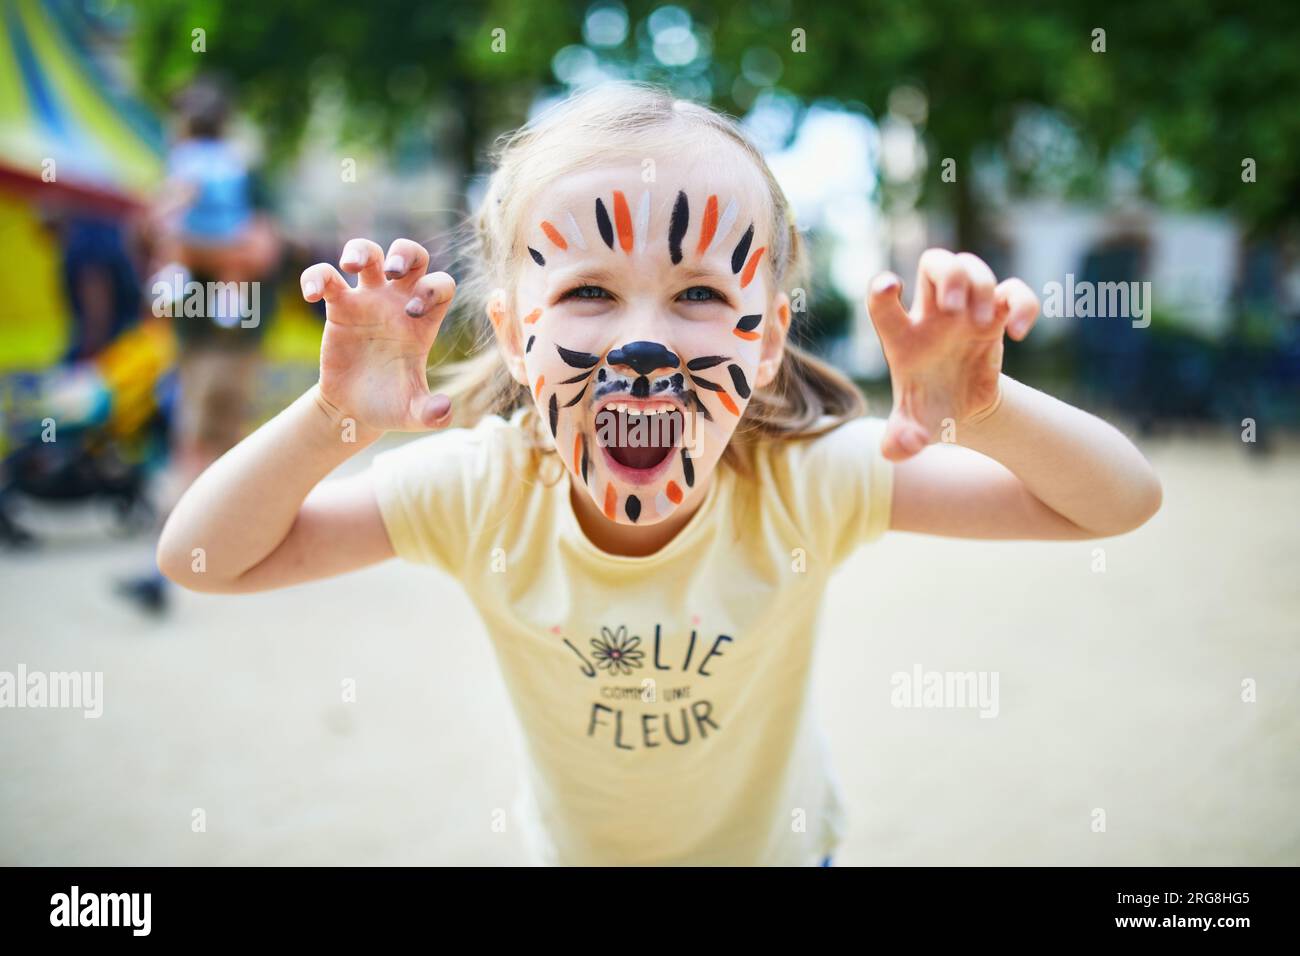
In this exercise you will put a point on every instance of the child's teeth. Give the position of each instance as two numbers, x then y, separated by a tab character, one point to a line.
639	409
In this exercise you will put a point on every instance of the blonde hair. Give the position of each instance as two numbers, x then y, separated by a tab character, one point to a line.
627	120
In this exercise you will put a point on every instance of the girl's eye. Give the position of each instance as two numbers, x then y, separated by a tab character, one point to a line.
586	292
702	293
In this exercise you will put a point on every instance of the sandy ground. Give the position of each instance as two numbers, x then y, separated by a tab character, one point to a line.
1119	691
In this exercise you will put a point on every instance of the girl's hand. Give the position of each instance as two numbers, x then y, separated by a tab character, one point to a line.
377	336
945	356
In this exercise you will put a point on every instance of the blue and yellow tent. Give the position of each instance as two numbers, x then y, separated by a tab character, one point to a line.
57	103
69	140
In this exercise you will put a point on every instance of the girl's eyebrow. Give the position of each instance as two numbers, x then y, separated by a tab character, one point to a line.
597	275
567	277
699	272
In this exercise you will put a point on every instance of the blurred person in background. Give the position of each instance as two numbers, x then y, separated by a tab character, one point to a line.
101	281
210	225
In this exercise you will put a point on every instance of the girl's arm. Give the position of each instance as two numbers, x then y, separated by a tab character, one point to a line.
260	518
1012	462
252	521
1034	468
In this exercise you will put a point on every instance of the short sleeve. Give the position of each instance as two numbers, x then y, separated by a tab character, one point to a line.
836	488
437	494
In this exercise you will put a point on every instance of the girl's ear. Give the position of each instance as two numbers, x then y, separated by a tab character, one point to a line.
774	336
507	333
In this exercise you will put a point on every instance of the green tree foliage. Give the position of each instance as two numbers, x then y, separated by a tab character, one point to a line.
1182	93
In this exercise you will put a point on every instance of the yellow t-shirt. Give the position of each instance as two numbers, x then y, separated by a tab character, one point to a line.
664	700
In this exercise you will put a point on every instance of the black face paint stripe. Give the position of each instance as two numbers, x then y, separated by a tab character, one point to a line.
742	250
633	507
584	458
576	398
555	414
641	387
707	361
576	379
677	224
688	469
711	386
577	359
738	379
748	323
529	347
603	224
537	256
693	397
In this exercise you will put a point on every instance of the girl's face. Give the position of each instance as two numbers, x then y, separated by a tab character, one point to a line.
644	321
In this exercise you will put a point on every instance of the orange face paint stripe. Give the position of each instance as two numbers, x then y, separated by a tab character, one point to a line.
751	266
707	225
577	452
747	336
537	389
610	500
553	234
623	221
674	493
784	315
728	404
532	316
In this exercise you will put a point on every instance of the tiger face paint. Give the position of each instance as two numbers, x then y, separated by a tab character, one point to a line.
643	313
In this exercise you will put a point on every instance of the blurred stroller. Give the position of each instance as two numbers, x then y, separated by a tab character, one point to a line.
90	432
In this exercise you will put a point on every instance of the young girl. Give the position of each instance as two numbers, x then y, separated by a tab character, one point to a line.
654	484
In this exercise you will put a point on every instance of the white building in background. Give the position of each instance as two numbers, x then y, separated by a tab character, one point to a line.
338	189
1191	259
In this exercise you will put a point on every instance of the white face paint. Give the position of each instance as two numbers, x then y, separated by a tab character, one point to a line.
643	309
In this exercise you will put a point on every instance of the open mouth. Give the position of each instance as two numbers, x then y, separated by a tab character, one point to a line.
639	437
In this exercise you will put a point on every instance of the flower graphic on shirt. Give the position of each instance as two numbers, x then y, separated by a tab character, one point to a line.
615	652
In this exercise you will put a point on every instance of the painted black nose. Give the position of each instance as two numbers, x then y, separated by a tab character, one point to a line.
644	357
